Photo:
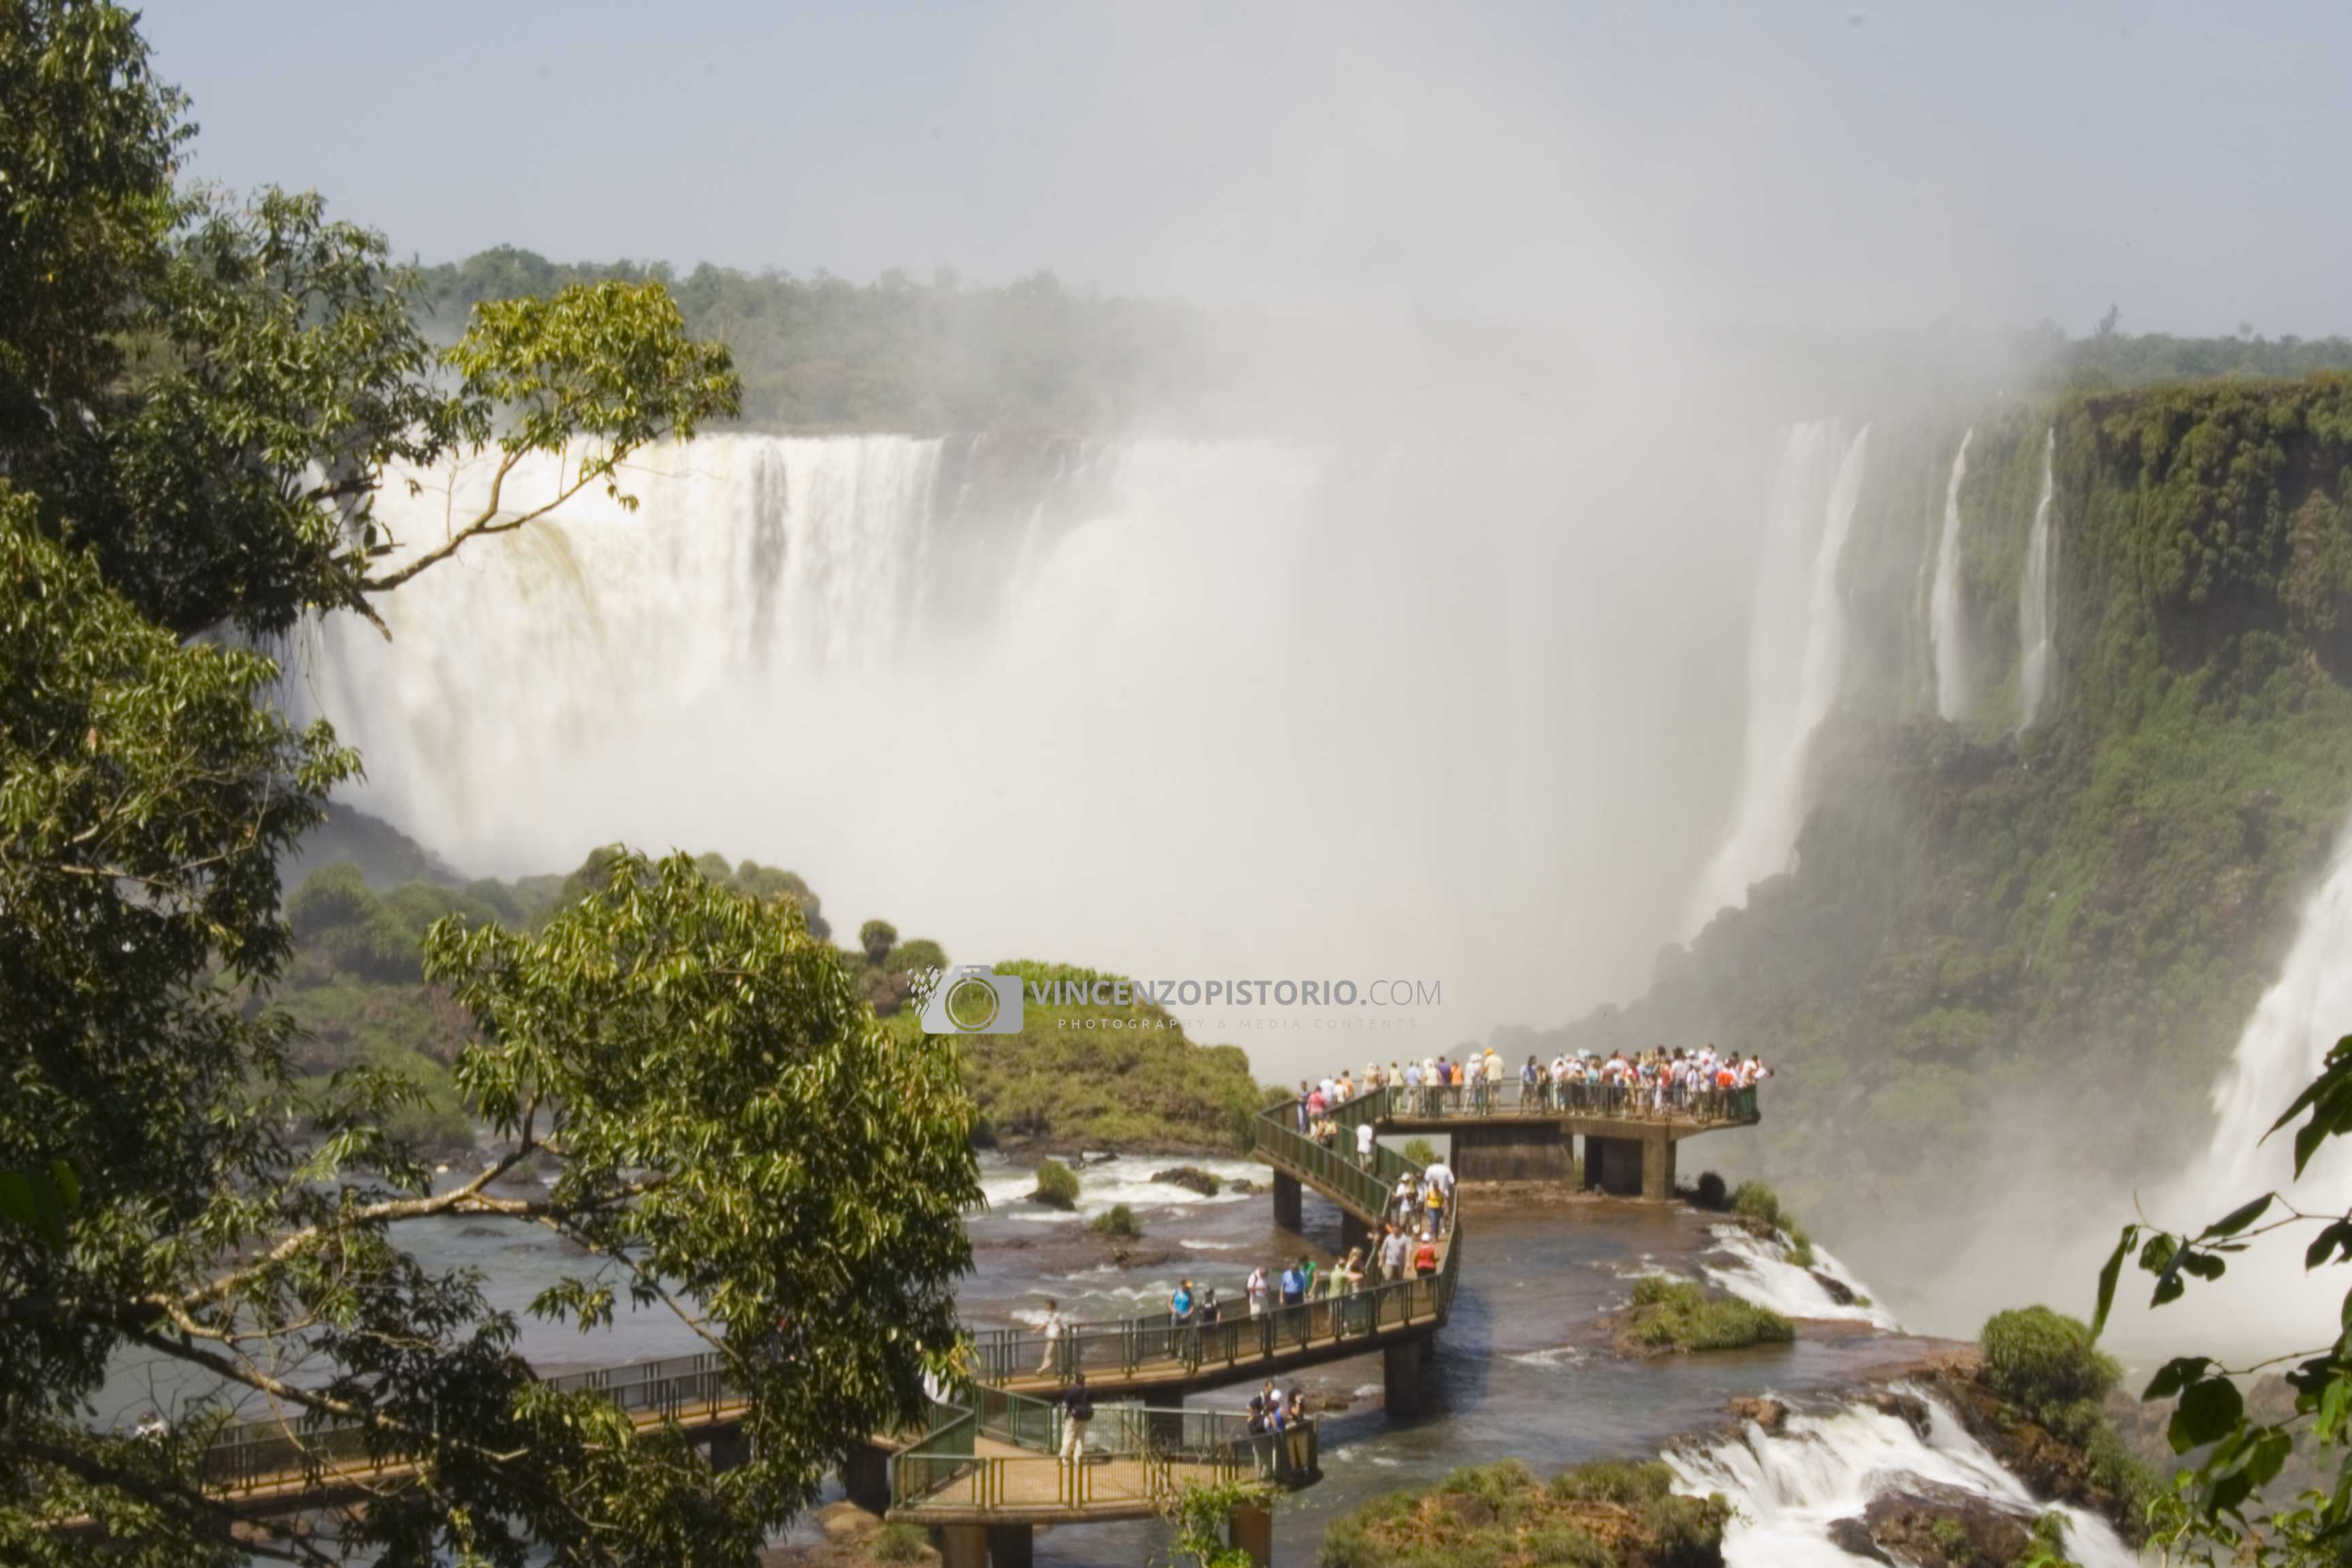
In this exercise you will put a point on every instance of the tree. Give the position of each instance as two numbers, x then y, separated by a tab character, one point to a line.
2206	1516
199	400
875	939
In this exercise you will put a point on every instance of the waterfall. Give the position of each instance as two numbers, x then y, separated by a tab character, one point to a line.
1790	1487
1761	1271
2033	613
1945	635
2299	1018
1796	657
1171	706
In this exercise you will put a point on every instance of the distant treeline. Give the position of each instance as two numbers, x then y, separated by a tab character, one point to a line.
822	353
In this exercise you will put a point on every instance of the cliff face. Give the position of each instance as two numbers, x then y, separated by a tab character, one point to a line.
2006	949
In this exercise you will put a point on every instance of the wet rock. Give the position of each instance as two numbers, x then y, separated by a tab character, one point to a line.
1191	1178
1769	1413
1838	1290
1852	1536
1242	1184
846	1523
1934	1526
1907	1408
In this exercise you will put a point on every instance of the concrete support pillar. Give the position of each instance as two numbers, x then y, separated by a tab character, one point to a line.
1658	1167
961	1545
1401	1377
1352	1232
1288	1210
1511	1151
1012	1545
866	1478
729	1447
1615	1165
1252	1528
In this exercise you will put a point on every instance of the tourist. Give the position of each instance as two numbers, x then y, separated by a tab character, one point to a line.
1051	1331
1393	1252
1424	1255
1433	1204
1294	1284
1412	1087
1304	1118
1309	1268
1180	1302
1264	1409
1210	1314
1364	1144
1351	1272
1078	1409
1256	1291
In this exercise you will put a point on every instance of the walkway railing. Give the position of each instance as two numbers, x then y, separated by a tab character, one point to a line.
1624	1102
249	1453
1125	1349
1133	1454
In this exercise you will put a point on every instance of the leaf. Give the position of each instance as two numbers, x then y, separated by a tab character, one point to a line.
2109	1275
2335	1240
2238	1218
2209	1411
2175	1375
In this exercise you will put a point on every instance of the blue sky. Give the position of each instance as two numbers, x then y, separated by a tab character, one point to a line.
1838	164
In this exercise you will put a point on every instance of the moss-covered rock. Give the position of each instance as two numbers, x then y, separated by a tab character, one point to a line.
1606	1515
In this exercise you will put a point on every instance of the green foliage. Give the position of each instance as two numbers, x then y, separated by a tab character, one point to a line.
2044	1361
1755	1200
1070	1078
900	1542
1420	1152
1678	1314
1500	1516
1057	1185
875	939
1118	1220
1197	1517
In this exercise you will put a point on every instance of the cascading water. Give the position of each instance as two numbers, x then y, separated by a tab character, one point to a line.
2298	1019
2033	608
1762	1271
1796	657
1178	707
1790	1487
1946	639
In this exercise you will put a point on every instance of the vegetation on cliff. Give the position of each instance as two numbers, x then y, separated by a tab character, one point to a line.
1987	930
1605	1515
356	993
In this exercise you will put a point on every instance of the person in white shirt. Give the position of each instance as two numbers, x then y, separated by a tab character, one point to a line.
1364	1143
1255	1290
1052	1332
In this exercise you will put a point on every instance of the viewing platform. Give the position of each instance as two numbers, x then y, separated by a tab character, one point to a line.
1502	1134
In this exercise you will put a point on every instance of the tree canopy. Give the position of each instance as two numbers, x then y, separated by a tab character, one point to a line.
200	397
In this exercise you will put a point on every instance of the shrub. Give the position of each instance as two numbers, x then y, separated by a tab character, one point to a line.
875	939
1711	1193
1420	1152
329	897
919	956
2044	1361
1057	1185
900	1542
1800	1246
1755	1200
1676	1314
1118	1221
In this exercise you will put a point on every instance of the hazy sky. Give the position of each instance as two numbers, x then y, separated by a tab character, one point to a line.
1842	163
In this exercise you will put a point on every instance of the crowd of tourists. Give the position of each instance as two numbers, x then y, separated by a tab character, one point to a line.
1651	1084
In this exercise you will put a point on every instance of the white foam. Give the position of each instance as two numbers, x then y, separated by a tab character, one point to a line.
1760	1271
1789	1487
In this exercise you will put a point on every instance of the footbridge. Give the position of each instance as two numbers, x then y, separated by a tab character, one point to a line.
985	1469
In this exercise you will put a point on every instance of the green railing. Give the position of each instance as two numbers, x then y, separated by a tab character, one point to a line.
1127	1348
1621	1102
250	1453
1133	1452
